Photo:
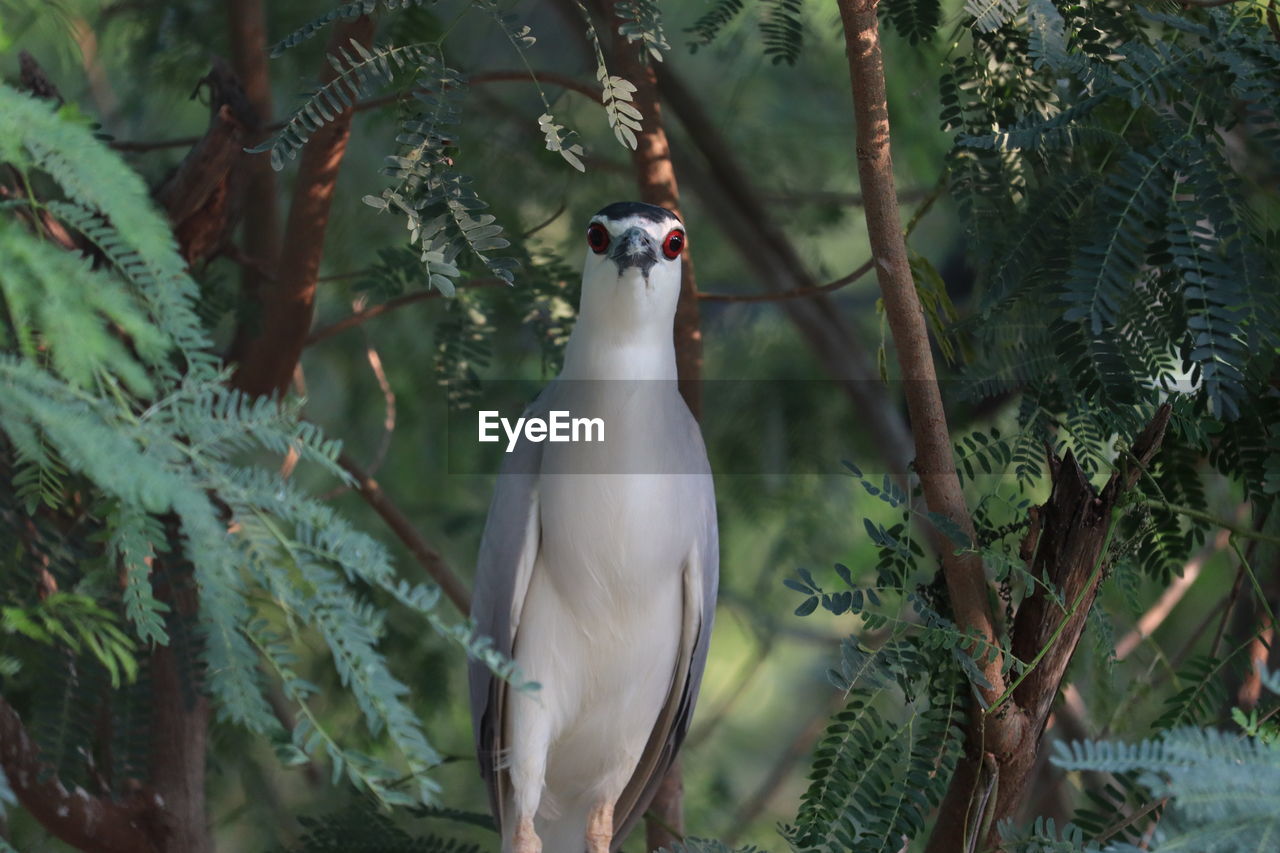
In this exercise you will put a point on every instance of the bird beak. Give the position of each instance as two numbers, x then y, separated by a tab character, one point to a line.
634	248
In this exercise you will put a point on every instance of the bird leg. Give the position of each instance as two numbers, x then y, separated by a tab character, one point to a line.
600	828
526	840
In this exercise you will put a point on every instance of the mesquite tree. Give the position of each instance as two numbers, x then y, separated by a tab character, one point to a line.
1075	415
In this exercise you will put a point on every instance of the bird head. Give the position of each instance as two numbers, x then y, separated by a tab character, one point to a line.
632	267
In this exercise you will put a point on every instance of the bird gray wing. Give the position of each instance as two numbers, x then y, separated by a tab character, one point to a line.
702	578
508	549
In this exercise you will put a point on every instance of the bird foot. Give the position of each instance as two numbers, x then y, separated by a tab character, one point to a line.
526	840
600	828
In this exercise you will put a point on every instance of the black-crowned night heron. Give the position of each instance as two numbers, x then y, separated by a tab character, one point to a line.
598	567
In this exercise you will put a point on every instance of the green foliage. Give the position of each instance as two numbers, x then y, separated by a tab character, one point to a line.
544	306
1222	786
363	828
781	27
1136	223
990	15
158	449
642	22
1201	692
783	31
885	759
355	78
874	779
75	622
1043	837
916	20
708	26
345	12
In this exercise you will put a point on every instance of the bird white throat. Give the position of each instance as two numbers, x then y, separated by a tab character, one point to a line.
598	566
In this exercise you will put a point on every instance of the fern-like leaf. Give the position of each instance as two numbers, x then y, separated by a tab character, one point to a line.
356	76
783	31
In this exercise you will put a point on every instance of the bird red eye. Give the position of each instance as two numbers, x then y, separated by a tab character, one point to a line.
598	238
673	244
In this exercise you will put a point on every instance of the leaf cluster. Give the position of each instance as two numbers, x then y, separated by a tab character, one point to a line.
139	473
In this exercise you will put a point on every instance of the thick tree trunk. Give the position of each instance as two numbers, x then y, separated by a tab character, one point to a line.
179	715
266	360
261	234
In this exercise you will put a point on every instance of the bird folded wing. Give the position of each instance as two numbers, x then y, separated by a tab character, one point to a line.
673	720
508	551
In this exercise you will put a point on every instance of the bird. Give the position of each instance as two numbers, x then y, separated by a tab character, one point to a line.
598	567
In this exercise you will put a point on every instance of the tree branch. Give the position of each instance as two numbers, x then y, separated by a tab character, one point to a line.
260	236
427	557
725	187
266	361
934	463
358	317
263	106
1158	612
326	332
797	293
135	824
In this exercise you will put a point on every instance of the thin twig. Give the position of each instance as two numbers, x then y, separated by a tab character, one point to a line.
389	404
390	305
1230	605
564	81
564	205
1237	529
797	293
1158	612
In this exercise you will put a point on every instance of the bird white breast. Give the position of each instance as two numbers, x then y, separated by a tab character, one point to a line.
602	620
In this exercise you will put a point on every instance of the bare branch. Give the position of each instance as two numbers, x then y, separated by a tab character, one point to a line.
390	305
966	581
135	824
797	293
1158	612
427	557
553	78
389	416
